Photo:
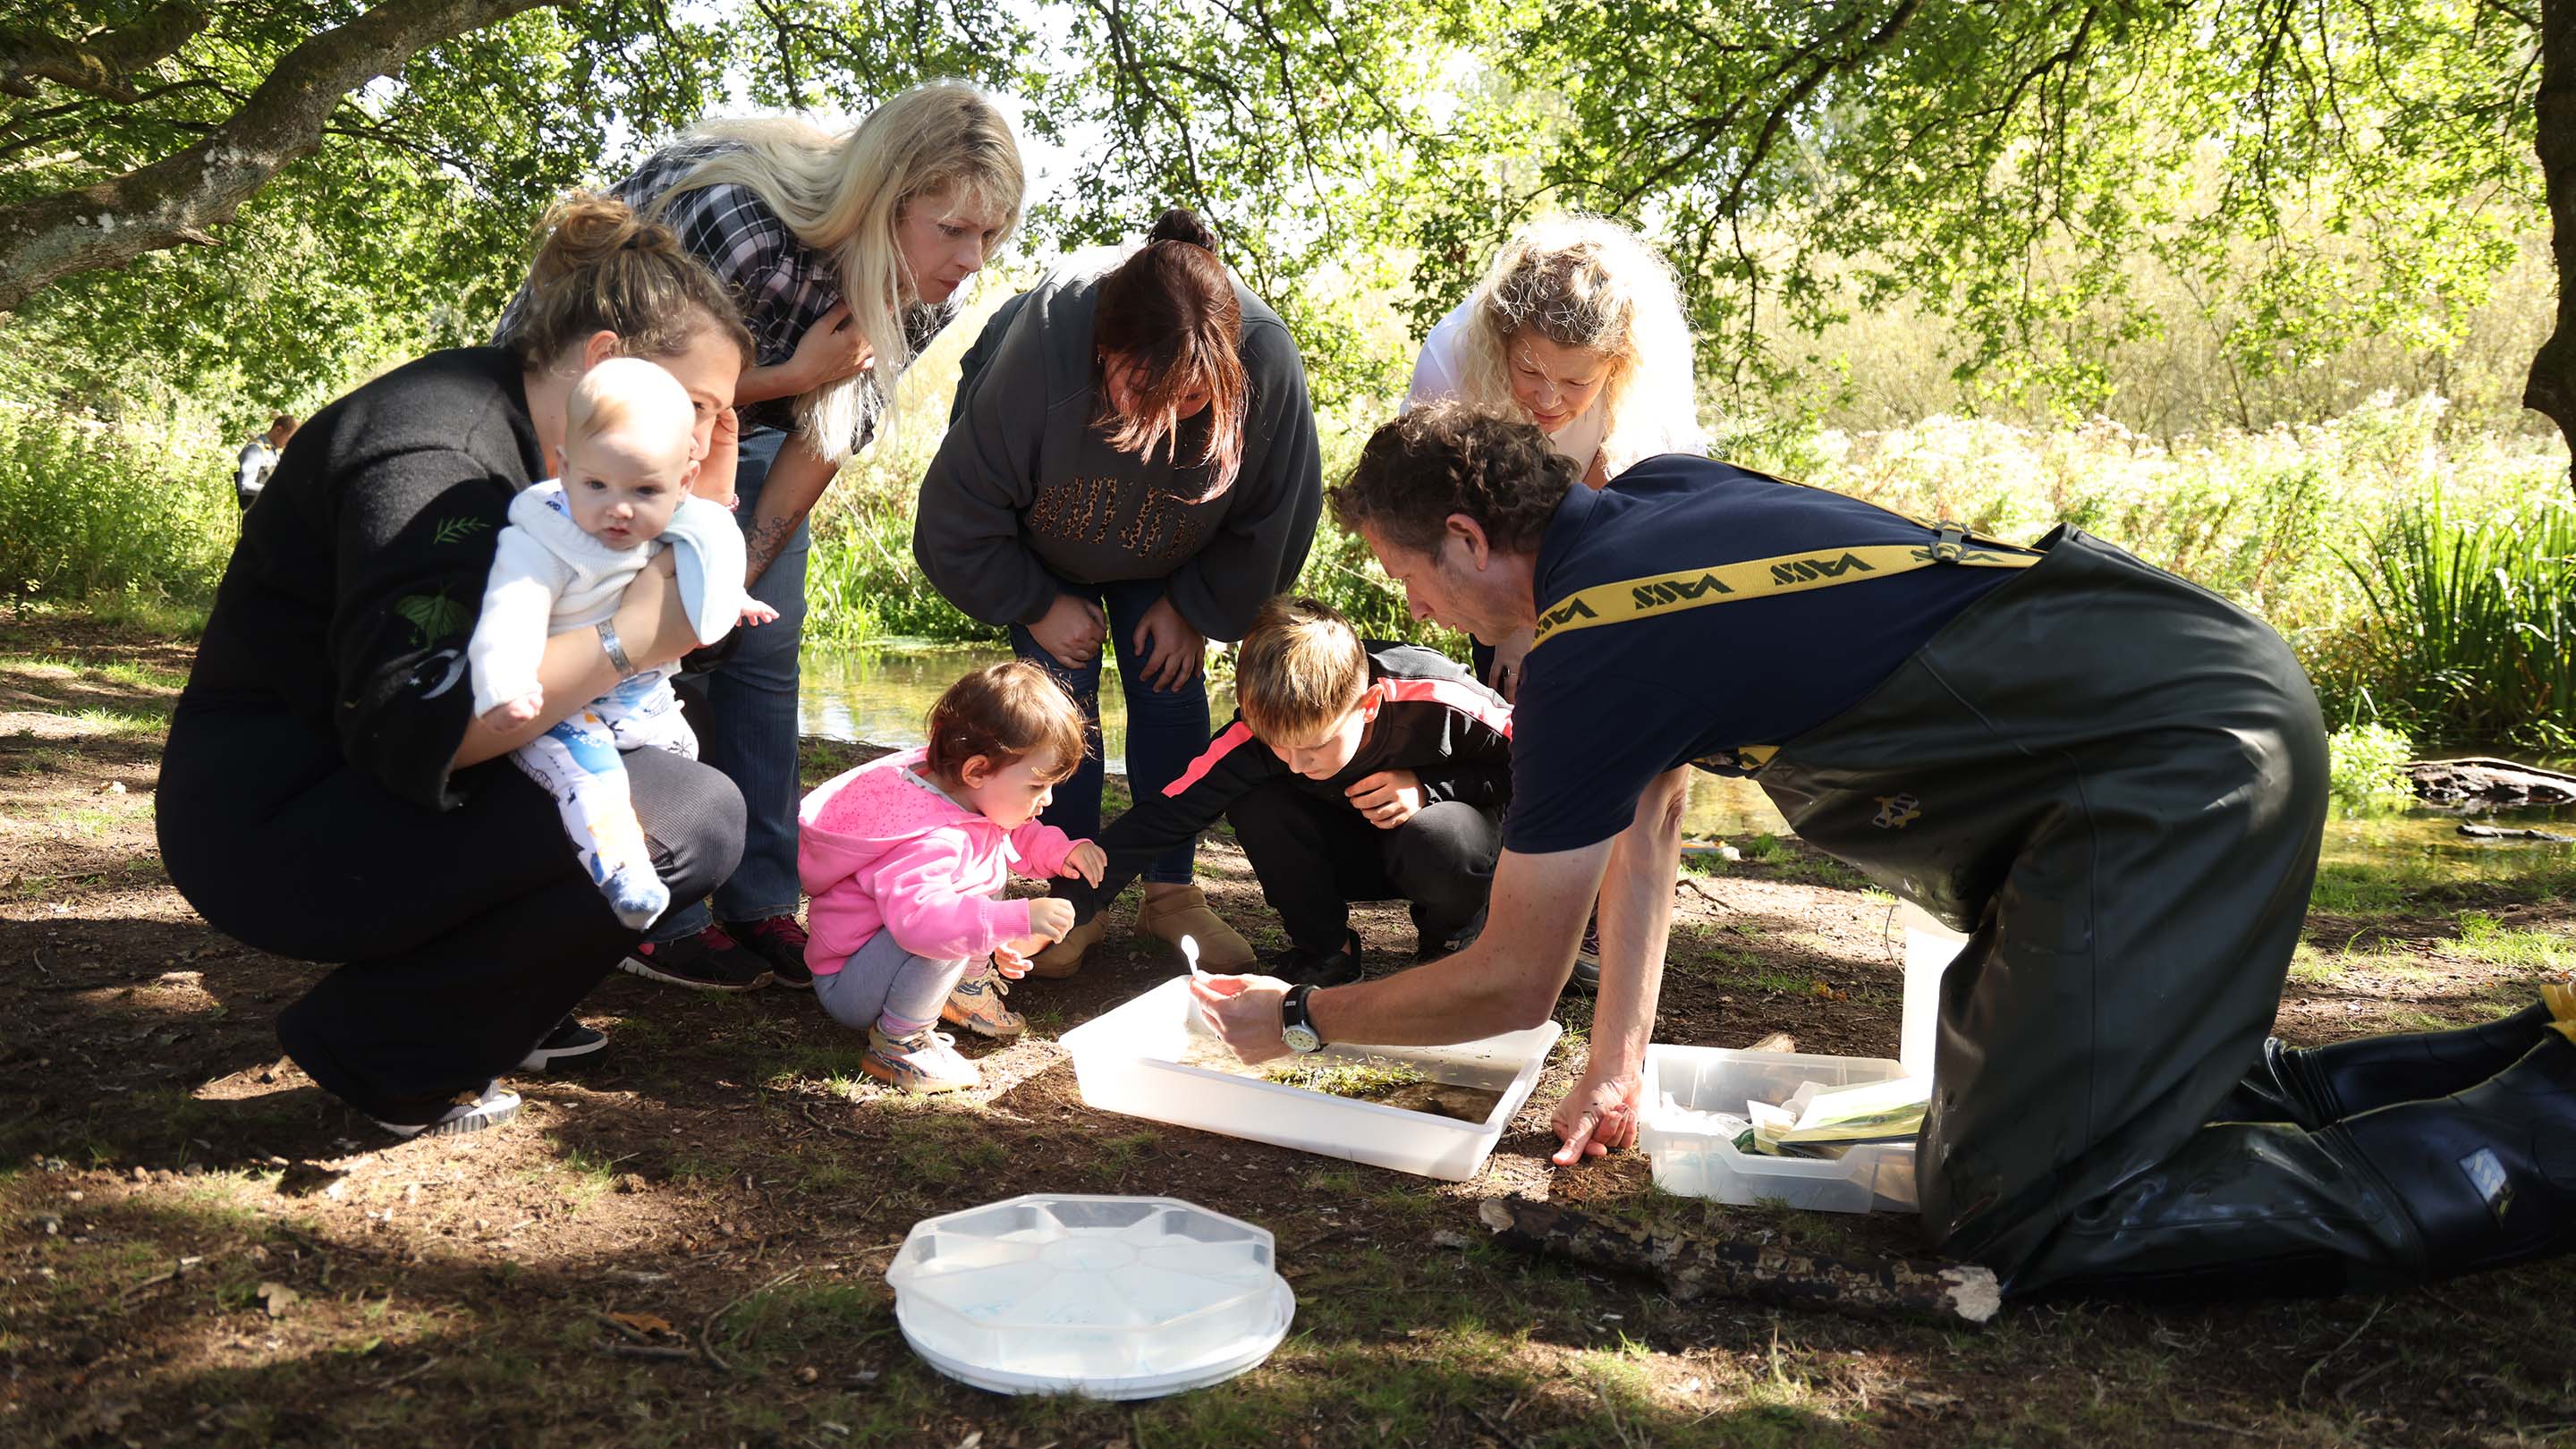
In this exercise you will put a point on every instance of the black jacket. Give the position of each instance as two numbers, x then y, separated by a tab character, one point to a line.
1433	718
358	578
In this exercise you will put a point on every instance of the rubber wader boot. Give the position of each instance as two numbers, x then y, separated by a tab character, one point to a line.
2489	1174
2320	1086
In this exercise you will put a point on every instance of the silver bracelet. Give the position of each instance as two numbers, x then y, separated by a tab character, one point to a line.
616	650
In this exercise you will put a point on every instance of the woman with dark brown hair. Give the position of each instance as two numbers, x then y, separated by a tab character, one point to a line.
321	796
1131	459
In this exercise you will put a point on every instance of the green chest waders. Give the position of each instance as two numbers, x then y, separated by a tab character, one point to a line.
2115	782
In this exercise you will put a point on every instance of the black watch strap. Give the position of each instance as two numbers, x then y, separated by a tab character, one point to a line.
1293	1017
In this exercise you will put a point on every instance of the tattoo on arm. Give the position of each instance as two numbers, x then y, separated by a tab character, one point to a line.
761	549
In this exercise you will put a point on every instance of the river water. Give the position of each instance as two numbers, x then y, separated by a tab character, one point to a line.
882	694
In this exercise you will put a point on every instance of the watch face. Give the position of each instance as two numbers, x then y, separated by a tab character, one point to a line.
1301	1039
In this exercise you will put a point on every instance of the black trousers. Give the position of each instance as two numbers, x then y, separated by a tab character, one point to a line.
2116	783
1315	856
465	934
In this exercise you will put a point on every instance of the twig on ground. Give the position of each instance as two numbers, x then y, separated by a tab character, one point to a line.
174	1273
2331	1354
2216	1428
1501	1435
2365	1376
407	1375
851	1133
648	1350
707	1330
1704	893
627	1331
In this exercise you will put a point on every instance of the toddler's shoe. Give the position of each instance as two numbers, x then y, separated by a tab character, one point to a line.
926	1061
1185	912
977	1006
1063	958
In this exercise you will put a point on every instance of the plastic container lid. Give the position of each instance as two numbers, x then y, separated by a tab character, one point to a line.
1106	1297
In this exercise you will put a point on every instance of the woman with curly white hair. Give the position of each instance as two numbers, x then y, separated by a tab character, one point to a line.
1578	328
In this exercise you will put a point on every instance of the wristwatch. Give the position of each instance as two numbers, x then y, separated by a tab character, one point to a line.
615	649
1296	1028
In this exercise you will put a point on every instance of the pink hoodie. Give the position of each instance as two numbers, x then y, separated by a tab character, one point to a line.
881	849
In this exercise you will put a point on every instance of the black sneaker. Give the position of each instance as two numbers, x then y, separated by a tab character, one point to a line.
1300	967
779	941
471	1112
566	1045
1587	959
1429	948
707	961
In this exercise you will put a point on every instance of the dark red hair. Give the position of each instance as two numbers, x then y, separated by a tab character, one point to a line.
1170	313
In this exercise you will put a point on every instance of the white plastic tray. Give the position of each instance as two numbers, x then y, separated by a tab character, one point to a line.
1128	1061
1105	1297
1692	1158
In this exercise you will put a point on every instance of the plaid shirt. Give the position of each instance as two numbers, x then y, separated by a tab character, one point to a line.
782	285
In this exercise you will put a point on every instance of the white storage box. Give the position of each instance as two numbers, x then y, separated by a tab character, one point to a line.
1130	1061
1693	1156
1106	1297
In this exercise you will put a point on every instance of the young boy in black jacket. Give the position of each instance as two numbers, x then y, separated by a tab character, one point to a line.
1352	771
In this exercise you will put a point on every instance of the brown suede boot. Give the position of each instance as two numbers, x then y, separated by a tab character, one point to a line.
1063	958
1185	912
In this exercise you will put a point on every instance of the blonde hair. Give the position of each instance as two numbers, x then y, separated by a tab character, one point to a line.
1299	669
1581	281
844	196
631	392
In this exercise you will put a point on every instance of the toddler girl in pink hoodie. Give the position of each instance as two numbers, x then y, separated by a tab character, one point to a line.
902	856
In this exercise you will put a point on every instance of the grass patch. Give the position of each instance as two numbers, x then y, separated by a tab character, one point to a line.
2484	938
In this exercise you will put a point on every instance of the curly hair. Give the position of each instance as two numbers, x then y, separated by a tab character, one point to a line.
1005	712
1453	458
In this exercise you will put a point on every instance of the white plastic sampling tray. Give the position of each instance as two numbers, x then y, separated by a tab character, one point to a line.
1129	1061
1106	1297
1692	1156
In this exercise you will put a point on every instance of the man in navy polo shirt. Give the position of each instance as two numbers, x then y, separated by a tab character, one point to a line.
2112	779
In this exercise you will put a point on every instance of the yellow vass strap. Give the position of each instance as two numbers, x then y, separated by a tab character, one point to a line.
1659	595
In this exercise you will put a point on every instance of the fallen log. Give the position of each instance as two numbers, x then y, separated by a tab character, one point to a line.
2492	781
1687	1266
2498	832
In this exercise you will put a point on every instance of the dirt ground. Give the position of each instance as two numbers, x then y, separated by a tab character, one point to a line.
686	1243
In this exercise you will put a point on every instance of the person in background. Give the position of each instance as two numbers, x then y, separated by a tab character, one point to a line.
1354	770
324	794
1578	328
258	458
846	254
1132	461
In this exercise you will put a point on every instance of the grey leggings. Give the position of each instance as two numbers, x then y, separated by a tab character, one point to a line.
881	979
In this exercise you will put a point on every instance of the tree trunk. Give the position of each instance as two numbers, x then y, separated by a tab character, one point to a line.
173	200
1957	1294
2552	388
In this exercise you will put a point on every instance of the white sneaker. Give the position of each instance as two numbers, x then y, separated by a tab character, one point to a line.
977	1006
491	1107
926	1061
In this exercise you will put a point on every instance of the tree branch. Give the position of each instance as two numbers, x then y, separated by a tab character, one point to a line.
101	64
175	199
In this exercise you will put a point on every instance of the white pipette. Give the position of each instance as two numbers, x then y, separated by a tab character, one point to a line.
1190	953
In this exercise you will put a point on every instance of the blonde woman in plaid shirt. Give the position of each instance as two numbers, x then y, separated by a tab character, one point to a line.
845	253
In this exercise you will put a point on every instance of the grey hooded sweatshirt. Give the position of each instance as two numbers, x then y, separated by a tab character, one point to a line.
1026	494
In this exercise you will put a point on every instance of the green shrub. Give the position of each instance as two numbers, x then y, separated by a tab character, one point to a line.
86	511
2367	762
2472	628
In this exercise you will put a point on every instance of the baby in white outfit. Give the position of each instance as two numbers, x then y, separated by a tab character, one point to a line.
572	546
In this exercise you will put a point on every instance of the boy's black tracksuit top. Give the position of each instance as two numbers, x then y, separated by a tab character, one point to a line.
1433	718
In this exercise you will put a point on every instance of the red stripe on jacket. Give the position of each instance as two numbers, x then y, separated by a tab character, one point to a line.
1236	735
1467	699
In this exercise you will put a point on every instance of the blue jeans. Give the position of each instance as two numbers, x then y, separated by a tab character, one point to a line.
1166	728
745	715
